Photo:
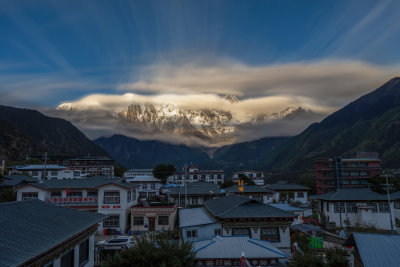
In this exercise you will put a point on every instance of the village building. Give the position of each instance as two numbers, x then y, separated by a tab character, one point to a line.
148	185
298	212
374	249
194	174
395	197
91	166
194	193
195	224
46	172
237	251
150	217
257	192
107	195
331	173
256	176
36	233
289	193
14	181
243	216
349	207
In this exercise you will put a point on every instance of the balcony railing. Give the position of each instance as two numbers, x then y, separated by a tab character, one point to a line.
73	201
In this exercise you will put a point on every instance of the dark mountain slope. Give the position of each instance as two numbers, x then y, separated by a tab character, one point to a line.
34	132
370	123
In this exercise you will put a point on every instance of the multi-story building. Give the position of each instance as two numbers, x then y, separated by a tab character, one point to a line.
193	174
256	176
153	217
106	195
46	172
285	192
148	185
332	173
349	207
257	192
194	193
91	166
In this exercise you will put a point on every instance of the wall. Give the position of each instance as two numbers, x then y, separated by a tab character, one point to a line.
204	232
42	194
149	213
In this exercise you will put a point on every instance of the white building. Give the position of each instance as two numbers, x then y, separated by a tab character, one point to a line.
299	213
46	172
35	233
194	193
289	193
148	185
108	196
195	224
257	192
349	207
256	176
193	174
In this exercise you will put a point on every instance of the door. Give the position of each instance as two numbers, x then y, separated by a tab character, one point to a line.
152	223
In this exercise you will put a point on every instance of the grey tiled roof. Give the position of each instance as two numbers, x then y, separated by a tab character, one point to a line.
193	217
231	247
286	186
91	182
248	189
351	194
377	250
32	227
197	188
234	206
13	180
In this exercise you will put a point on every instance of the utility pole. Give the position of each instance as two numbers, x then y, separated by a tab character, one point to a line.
45	166
390	207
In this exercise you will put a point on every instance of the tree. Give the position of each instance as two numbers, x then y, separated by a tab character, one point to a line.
119	170
378	184
227	184
246	180
163	171
311	259
154	250
336	257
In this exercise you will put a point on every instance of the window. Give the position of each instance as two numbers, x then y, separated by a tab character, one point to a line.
138	220
353	173
35	173
68	259
218	232
133	195
92	194
153	186
351	208
327	206
241	231
191	233
84	252
195	201
26	196
300	195
270	234
383	207
337	205
363	173
75	194
163	220
258	198
112	221
397	205
54	173
111	198
56	194
374	207
129	196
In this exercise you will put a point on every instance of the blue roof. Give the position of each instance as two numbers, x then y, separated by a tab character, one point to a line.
193	217
285	207
378	250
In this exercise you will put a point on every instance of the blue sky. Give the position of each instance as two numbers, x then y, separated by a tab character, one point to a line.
60	51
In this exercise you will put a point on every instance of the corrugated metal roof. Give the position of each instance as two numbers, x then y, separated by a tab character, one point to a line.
378	250
193	217
197	188
142	179
249	189
231	247
40	167
285	207
234	206
32	227
351	194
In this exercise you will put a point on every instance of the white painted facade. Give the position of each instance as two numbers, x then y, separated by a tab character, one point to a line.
374	213
92	199
195	175
201	232
87	263
298	196
47	172
256	176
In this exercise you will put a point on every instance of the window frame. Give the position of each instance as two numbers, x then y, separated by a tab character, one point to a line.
135	218
160	218
264	236
107	199
106	222
23	196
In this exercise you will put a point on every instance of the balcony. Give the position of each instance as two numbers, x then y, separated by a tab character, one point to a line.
90	202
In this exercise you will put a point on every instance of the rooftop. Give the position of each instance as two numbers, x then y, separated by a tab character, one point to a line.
13	180
285	207
197	188
39	167
248	189
231	247
351	194
377	250
194	217
234	206
32	227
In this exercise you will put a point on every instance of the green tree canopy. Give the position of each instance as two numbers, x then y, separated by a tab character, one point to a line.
156	250
246	180
163	171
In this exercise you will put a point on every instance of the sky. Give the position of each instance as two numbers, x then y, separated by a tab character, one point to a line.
271	54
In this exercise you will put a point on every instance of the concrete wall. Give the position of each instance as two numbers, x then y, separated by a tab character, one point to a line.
89	263
204	232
